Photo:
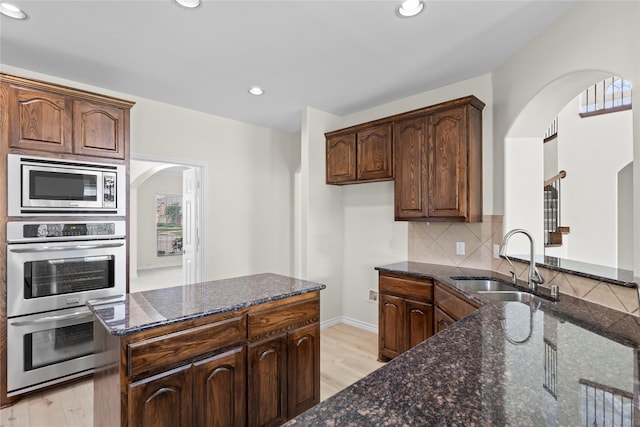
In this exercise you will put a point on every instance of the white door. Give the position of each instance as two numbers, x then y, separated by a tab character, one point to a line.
190	217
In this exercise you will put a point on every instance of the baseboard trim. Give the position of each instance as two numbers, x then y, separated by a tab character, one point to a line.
351	322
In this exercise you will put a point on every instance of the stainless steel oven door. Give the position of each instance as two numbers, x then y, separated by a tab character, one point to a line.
55	275
47	348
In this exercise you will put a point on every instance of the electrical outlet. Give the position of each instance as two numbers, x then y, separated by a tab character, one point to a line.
459	248
496	251
373	295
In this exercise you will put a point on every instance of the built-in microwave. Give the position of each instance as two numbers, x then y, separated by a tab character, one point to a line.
43	186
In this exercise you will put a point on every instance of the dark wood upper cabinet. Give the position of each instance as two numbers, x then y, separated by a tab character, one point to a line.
375	153
341	158
45	117
434	154
411	168
99	130
38	120
360	156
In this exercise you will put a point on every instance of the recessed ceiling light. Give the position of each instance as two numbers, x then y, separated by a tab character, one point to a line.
189	4
12	11
410	8
257	91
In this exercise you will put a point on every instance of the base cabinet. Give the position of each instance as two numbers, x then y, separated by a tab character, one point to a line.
258	366
405	314
450	307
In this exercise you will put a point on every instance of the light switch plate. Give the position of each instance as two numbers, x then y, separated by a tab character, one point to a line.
459	248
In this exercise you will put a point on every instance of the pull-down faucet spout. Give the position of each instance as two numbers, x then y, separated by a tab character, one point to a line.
535	278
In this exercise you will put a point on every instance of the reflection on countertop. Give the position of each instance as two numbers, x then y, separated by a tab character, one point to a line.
569	362
145	310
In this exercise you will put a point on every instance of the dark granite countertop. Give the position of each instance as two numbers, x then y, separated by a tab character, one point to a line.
145	310
508	363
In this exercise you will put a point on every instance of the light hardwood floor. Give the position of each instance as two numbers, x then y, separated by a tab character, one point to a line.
346	355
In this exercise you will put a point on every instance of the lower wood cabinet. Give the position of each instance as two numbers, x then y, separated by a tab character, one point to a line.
258	367
405	314
450	307
441	320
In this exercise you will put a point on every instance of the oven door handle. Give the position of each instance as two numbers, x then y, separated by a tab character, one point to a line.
75	315
65	248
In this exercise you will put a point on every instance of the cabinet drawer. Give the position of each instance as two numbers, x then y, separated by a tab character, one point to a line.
415	289
182	346
282	318
453	305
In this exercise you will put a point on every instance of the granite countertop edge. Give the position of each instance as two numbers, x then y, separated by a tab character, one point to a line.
98	305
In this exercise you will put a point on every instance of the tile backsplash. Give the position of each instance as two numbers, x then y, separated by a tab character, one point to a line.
435	242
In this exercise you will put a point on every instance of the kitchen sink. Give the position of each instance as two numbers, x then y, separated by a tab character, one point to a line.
483	285
510	296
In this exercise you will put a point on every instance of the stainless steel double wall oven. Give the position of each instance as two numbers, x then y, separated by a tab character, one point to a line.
55	266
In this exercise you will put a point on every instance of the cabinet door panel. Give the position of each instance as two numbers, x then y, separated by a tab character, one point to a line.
304	369
419	322
219	389
163	400
267	385
392	321
39	120
411	168
448	164
441	320
341	158
98	130
375	153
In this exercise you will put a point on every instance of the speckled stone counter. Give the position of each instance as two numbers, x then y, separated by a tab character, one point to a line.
565	363
145	310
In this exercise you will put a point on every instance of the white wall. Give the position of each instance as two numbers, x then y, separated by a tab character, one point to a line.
248	203
592	150
321	227
146	213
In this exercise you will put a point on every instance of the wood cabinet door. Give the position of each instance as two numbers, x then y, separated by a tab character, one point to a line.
164	400
38	120
375	153
448	164
341	158
392	327
304	369
99	129
410	146
267	382
419	322
219	390
441	320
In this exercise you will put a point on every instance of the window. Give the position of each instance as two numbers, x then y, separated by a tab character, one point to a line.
608	95
169	224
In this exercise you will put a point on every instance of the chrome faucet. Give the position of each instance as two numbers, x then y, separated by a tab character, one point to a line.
535	278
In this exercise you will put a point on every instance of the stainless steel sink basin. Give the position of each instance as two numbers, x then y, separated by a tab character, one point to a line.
483	285
510	296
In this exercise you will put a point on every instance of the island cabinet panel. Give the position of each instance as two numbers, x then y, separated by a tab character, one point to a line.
256	366
220	389
341	158
441	320
405	313
411	168
268	382
98	129
450	307
39	120
163	400
304	368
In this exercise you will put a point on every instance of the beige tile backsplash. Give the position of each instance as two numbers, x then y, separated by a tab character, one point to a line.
435	242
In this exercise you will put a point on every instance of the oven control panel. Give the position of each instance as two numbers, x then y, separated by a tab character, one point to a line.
35	231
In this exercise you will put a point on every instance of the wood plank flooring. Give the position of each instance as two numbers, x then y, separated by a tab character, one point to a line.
346	355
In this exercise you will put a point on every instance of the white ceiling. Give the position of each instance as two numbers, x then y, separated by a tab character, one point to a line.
336	56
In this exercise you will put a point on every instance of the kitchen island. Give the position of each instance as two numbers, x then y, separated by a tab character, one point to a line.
241	351
568	362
